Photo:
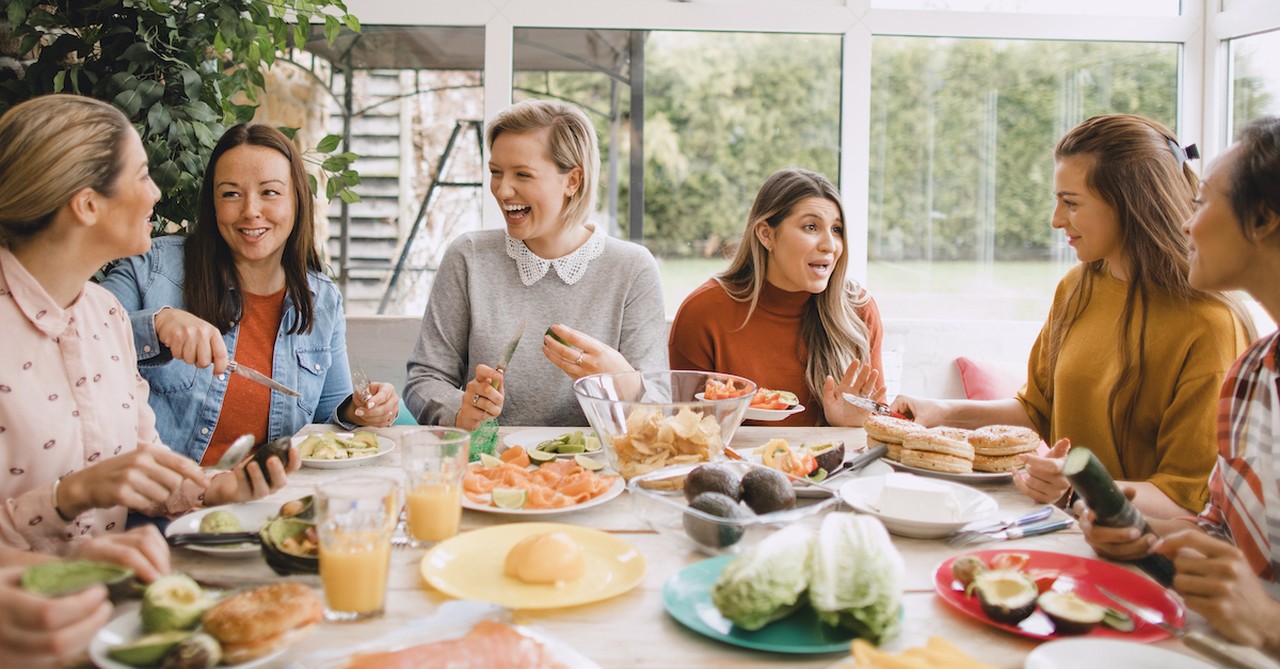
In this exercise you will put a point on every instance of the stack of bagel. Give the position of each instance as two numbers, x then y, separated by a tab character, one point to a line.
998	448
951	450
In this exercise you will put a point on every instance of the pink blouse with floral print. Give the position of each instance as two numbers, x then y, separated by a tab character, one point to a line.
70	396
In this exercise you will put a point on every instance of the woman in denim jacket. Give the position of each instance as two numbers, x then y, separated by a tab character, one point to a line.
247	284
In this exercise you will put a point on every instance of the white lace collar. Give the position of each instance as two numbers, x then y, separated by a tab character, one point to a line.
569	268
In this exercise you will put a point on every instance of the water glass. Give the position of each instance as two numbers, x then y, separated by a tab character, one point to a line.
434	461
355	519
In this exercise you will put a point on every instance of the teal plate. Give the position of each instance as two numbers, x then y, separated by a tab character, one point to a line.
687	596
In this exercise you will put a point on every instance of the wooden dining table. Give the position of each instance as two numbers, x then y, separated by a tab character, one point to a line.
633	629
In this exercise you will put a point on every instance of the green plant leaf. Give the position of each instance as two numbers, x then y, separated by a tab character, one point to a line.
130	102
331	28
352	22
59	80
166	175
244	113
17	13
204	134
200	111
311	180
329	143
158	119
287	131
151	91
191	83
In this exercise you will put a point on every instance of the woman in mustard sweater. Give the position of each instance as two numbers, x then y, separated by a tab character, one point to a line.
783	314
1131	357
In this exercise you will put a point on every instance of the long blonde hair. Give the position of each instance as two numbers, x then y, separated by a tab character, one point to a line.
1138	169
52	147
831	329
572	143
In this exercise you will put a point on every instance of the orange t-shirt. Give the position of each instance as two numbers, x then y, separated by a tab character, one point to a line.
707	334
246	406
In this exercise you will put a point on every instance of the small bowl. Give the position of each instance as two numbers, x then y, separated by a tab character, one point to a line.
649	420
658	497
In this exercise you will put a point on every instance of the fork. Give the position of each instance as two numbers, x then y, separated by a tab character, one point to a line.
982	532
1210	647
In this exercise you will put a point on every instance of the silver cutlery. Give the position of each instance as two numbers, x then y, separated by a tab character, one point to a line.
878	408
235	452
1204	644
975	534
260	378
213	538
1017	532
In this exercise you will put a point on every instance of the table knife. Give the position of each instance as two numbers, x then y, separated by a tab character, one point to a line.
509	351
878	408
213	538
260	378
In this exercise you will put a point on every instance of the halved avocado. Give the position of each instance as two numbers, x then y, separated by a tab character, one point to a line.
829	455
1071	614
1117	620
278	551
1006	596
64	577
146	650
966	569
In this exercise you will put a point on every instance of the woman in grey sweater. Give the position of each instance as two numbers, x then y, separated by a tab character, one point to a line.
550	268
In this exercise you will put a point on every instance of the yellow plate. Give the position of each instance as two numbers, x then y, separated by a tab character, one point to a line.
469	566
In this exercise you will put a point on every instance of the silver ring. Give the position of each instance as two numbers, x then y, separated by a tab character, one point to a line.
475	399
579	360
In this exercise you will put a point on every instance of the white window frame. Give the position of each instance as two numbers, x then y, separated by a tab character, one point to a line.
1202	30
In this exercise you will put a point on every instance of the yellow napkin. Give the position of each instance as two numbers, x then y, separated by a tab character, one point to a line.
937	653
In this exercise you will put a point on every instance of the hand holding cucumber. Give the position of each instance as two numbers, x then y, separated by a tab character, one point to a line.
578	354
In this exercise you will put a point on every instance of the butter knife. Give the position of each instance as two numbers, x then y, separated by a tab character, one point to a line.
878	408
213	538
260	378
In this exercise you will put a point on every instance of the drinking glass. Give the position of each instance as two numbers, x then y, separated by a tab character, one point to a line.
355	519
434	461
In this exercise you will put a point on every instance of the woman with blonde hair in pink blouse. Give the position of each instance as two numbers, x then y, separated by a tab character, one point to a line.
78	444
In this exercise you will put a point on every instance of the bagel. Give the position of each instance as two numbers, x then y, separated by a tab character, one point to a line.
938	462
1003	440
890	430
939	440
255	623
996	463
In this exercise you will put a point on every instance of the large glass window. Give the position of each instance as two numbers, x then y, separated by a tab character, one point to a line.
718	112
1079	7
412	100
1255	81
961	166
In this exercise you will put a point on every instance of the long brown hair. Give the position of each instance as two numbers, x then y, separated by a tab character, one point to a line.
52	147
830	326
212	285
1138	168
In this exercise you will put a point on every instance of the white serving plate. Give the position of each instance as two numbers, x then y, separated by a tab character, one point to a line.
385	446
863	494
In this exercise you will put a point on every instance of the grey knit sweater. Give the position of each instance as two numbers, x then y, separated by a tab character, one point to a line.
478	300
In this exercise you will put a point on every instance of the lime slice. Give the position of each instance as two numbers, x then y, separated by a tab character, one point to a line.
588	463
509	498
593	444
538	457
572	448
487	460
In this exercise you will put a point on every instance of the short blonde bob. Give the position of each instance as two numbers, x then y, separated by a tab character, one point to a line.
571	143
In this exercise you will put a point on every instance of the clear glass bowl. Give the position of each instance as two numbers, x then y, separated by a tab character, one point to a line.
650	420
658	497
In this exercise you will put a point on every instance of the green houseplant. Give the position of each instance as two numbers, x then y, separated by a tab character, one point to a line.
176	69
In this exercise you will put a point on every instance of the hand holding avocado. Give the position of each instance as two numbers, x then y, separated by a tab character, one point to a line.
42	631
578	354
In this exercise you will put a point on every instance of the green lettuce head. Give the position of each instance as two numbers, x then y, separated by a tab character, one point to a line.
767	582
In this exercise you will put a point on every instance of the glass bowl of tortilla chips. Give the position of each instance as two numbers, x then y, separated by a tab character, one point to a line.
649	420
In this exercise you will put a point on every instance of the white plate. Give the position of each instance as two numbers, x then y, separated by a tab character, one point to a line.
877	468
772	414
252	516
975	477
385	446
1093	653
534	436
863	494
614	490
762	414
127	626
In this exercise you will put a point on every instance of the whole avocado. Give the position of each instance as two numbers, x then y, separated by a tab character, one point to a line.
711	478
766	490
714	534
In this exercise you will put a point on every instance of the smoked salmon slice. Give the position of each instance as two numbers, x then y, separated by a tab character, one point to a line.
489	645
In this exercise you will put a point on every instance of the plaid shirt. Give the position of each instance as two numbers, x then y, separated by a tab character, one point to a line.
1244	489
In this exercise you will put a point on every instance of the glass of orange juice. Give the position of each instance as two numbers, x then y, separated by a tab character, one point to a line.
434	460
355	519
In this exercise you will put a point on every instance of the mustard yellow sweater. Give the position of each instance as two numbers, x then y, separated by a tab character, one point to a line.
1171	442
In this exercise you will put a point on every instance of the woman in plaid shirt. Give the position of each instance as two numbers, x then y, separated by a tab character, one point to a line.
1227	558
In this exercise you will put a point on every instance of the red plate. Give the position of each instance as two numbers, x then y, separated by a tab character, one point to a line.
1081	575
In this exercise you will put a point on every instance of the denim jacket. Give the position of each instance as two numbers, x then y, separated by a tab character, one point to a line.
187	400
